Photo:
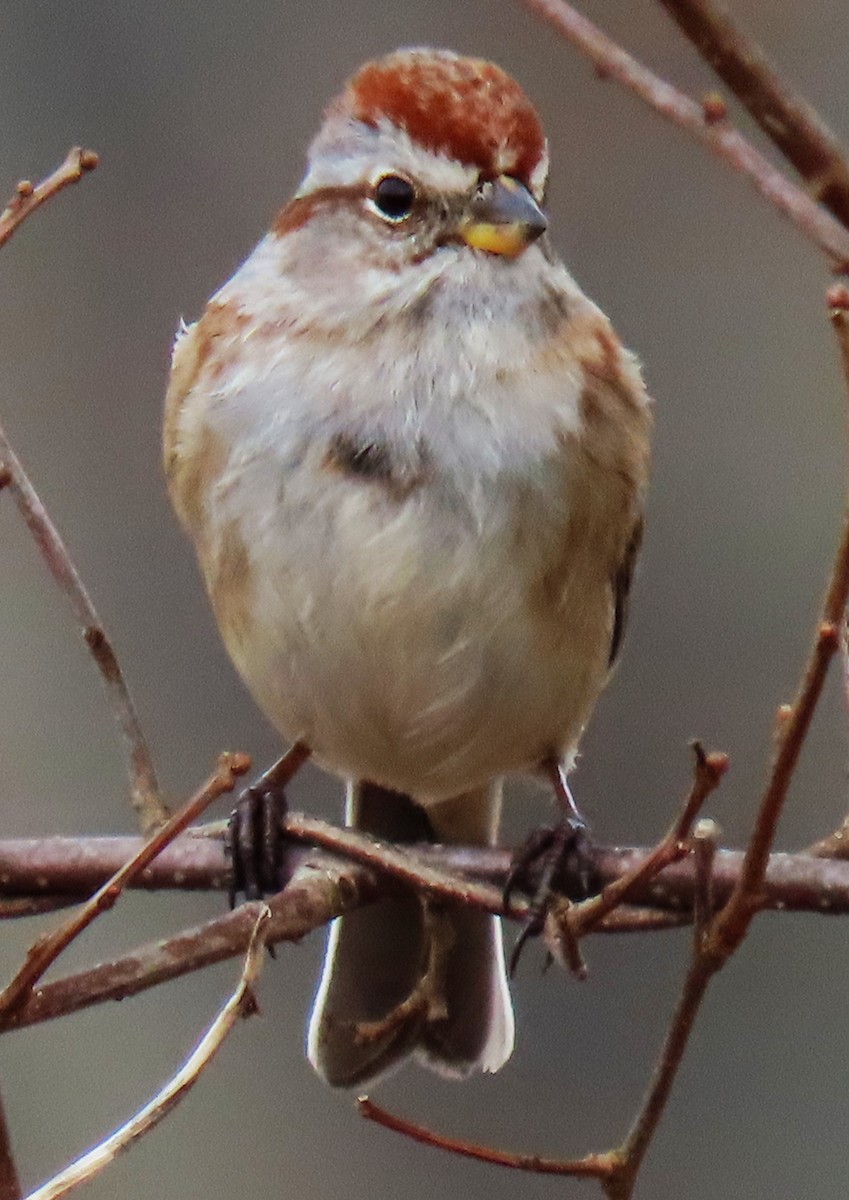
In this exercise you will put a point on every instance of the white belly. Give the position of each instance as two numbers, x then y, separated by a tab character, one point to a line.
400	640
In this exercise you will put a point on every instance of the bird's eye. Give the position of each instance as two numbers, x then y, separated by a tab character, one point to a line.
394	197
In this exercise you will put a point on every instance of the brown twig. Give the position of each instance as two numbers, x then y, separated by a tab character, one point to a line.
719	938
48	948
240	1004
704	123
592	1165
708	772
786	118
731	924
146	796
29	197
836	845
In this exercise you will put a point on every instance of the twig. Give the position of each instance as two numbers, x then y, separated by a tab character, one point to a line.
597	1165
48	948
708	772
240	1004
704	122
836	845
146	797
28	198
786	118
731	924
723	934
629	1156
322	889
10	1185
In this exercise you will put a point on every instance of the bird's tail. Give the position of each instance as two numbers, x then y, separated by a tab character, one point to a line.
378	957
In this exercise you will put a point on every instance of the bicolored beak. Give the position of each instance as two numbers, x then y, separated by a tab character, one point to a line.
504	218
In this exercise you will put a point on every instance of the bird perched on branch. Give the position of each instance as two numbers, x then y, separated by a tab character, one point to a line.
412	456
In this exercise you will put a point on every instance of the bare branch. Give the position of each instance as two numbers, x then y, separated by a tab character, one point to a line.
786	118
48	948
705	122
146	796
592	1165
709	770
240	1004
28	198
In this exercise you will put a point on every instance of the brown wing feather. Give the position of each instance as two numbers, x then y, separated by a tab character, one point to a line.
622	578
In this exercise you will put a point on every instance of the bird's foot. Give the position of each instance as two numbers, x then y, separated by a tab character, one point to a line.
256	830
556	863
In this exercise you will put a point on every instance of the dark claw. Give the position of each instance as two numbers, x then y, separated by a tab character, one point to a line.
254	843
560	859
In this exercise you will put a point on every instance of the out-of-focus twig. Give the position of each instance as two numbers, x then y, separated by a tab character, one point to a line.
786	118
28	197
706	122
48	948
240	1004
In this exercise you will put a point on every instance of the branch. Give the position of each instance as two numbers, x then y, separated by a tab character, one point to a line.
240	1004
48	948
323	887
146	798
705	122
591	1165
786	118
28	198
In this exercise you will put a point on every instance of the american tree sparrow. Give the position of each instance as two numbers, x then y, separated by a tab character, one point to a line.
412	456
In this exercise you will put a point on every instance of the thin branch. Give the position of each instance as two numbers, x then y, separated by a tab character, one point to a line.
592	1165
786	118
240	1004
323	888
146	797
836	845
708	772
730	926
705	122
28	198
47	949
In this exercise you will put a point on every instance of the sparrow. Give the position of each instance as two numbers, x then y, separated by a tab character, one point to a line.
412	456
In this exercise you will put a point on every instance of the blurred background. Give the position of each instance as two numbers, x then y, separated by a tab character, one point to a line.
202	113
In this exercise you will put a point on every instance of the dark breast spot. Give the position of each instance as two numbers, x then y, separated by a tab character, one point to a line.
374	461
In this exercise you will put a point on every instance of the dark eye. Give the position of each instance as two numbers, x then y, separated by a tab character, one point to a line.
394	197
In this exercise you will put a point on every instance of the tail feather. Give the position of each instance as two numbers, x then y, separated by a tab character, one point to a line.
377	955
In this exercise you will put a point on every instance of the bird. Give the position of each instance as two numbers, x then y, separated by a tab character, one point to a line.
412	456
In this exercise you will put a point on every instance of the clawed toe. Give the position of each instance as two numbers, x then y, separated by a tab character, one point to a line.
554	862
255	842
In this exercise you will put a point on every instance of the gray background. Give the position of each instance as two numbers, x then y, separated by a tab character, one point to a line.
202	113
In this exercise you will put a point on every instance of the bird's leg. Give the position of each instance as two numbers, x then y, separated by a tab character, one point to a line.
558	854
255	831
